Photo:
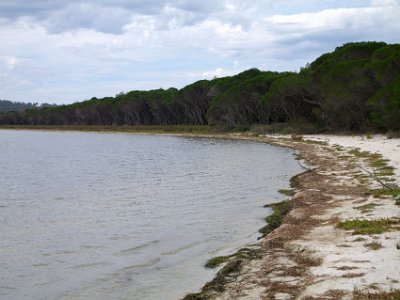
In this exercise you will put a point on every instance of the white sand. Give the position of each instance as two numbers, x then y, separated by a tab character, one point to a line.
348	263
380	268
389	148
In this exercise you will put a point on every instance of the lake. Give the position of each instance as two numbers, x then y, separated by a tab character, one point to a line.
124	216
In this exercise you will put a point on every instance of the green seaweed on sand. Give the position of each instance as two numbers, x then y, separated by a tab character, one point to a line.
217	285
280	210
234	262
216	261
243	253
287	192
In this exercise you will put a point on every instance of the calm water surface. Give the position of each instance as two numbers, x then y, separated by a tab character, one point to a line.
114	216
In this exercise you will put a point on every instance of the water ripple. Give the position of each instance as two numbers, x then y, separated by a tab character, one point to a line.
118	216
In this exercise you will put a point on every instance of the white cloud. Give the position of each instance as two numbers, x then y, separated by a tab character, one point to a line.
11	62
87	15
381	3
218	72
74	50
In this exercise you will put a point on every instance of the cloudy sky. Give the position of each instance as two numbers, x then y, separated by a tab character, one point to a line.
62	51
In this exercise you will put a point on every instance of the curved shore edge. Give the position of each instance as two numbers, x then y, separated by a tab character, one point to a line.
341	238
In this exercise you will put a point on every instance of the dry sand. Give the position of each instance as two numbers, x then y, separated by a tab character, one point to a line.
389	148
308	256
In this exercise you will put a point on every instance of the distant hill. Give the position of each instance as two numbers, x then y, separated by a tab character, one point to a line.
8	106
354	88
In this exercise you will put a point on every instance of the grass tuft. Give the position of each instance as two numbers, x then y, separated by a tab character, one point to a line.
375	161
367	207
359	239
312	142
369	226
374	246
360	154
377	193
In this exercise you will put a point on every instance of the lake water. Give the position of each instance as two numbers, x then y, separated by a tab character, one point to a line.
120	216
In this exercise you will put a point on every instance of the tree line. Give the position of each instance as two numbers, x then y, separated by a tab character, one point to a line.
7	105
354	88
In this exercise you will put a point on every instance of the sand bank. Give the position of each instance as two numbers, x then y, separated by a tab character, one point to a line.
310	256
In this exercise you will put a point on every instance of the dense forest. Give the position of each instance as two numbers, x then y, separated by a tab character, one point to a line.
354	88
11	106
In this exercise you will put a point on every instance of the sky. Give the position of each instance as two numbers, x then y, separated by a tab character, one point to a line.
60	51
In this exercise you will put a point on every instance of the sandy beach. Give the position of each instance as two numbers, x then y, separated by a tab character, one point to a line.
319	252
341	238
389	148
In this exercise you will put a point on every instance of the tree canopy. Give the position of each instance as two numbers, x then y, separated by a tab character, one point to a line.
354	88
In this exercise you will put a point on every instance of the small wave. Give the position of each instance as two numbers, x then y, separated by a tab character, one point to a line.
90	247
7	287
137	248
175	251
40	265
89	265
142	265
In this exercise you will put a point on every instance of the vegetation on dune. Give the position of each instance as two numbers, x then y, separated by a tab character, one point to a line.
381	172
354	88
393	192
366	208
374	245
360	226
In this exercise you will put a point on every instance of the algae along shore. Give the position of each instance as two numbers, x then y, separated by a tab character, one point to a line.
337	234
340	238
200	150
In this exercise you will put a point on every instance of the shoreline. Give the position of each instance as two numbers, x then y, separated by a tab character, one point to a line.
310	256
